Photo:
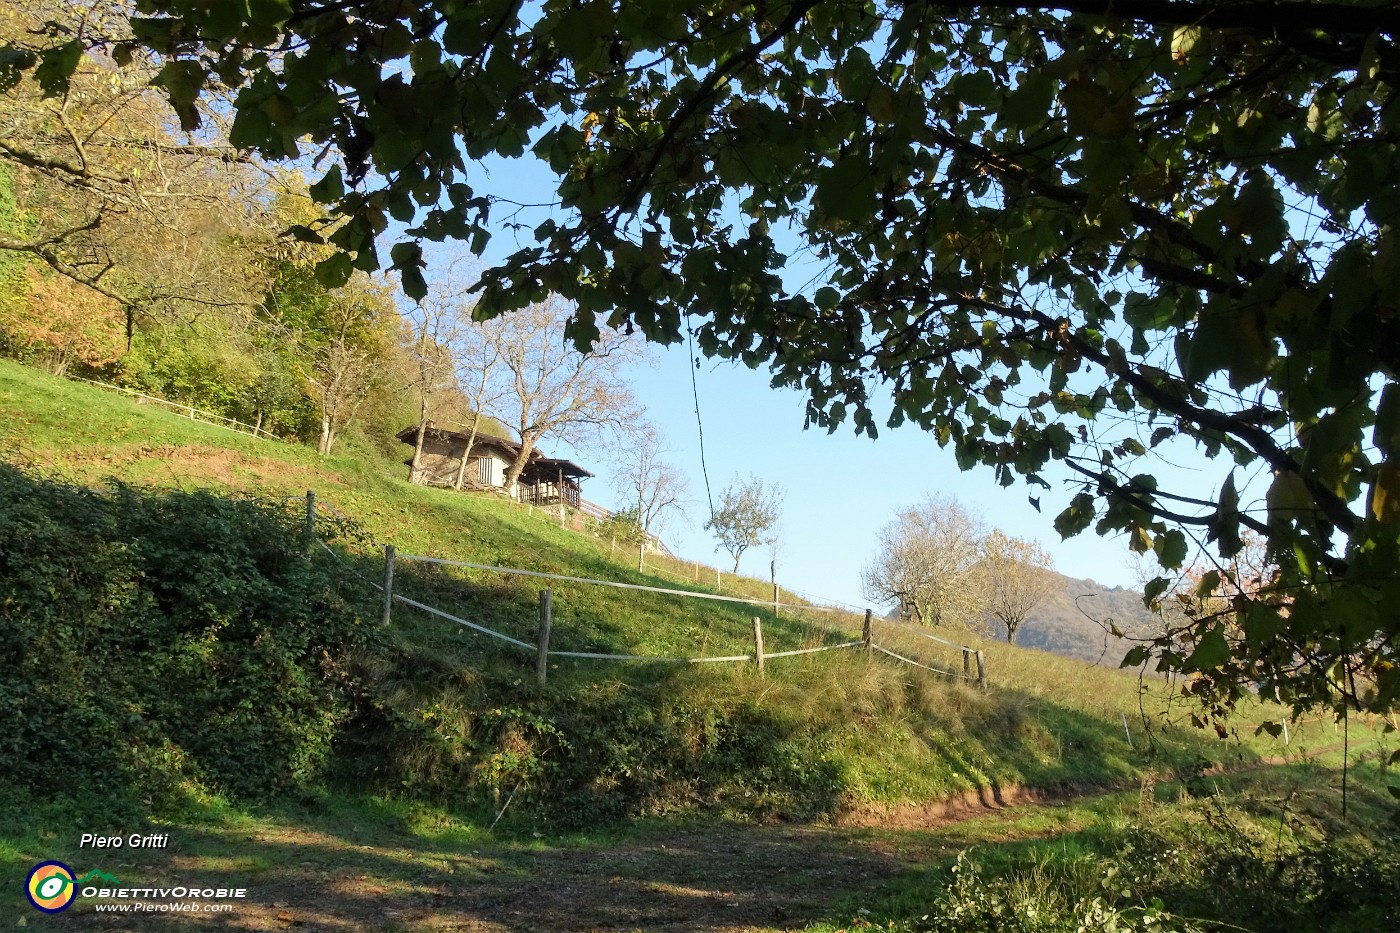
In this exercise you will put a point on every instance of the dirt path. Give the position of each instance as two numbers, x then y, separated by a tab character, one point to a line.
386	879
722	878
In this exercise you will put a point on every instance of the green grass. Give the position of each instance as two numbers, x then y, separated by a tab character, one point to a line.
1266	850
811	737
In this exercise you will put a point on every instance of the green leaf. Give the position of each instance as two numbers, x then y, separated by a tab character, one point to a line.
1212	651
56	66
1385	434
1029	105
1171	549
1136	656
856	75
407	259
847	189
304	234
1184	39
269	13
1153	591
1210	582
975	88
330	188
334	271
183	80
1076	517
224	19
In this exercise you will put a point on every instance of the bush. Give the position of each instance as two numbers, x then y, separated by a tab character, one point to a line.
150	638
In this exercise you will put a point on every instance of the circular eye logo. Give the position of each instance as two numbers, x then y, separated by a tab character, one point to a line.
50	887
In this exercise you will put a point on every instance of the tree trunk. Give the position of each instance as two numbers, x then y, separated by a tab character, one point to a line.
327	438
413	476
527	447
467	452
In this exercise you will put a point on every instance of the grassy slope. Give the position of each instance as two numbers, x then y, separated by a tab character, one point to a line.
864	733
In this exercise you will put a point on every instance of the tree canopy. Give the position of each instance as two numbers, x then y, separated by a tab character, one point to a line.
747	514
1077	236
927	562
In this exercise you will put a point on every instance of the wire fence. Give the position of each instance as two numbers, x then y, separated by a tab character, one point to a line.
196	414
974	665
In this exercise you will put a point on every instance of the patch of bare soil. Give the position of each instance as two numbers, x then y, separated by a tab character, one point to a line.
734	879
963	806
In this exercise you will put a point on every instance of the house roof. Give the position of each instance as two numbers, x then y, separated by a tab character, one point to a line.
409	435
550	467
539	465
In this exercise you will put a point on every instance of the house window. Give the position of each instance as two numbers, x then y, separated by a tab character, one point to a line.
483	471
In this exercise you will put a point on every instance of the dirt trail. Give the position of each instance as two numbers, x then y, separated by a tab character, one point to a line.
728	878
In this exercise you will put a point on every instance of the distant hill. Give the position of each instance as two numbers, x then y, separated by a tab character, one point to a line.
1075	622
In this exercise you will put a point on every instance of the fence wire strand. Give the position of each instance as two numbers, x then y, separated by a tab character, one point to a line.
320	503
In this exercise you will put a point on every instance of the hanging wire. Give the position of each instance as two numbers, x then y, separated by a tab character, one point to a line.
694	363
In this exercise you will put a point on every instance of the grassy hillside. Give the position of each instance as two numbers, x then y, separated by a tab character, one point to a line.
430	710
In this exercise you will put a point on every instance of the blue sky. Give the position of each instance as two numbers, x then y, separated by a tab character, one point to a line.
840	488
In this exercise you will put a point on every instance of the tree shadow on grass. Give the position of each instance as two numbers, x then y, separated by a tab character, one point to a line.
308	874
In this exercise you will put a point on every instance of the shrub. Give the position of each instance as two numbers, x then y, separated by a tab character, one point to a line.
152	637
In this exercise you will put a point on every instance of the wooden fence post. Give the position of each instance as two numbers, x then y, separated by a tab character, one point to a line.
388	584
641	556
981	670
542	642
718	588
775	599
967	663
310	515
867	632
758	642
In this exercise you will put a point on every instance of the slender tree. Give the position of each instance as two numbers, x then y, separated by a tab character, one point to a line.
644	478
1018	576
345	355
554	388
436	326
747	513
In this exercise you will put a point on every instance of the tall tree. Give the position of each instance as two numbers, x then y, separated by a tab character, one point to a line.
349	339
1018	576
926	562
435	326
1034	218
748	512
112	196
477	351
645	480
555	389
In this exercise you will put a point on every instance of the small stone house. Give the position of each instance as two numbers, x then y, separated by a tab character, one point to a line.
445	461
